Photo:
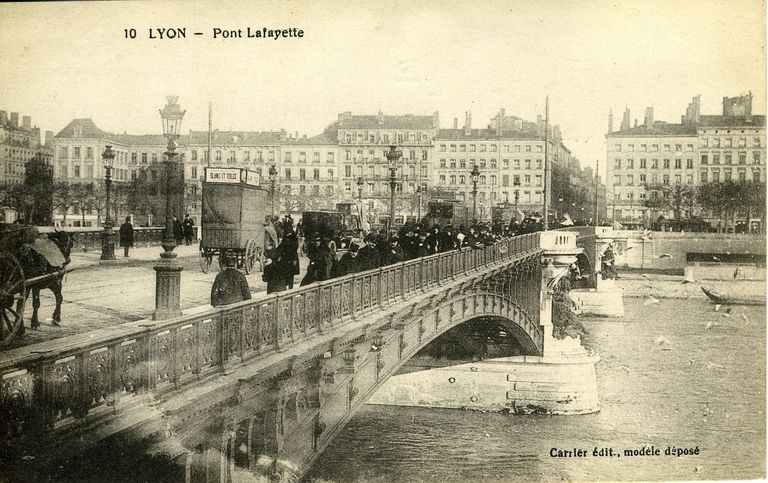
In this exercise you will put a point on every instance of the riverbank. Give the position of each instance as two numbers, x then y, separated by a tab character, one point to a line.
675	287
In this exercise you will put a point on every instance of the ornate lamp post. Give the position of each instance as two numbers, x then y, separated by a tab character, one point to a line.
475	174
392	156
360	184
168	271
516	184
419	190
107	236
272	185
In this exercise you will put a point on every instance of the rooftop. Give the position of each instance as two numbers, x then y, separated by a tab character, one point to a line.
659	128
482	135
731	121
407	121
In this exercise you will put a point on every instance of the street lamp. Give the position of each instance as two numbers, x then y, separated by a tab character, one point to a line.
107	236
475	174
272	183
168	271
419	190
360	184
392	156
516	184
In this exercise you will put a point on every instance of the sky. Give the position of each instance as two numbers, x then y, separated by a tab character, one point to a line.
60	61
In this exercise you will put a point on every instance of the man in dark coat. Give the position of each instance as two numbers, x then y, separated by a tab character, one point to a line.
395	254
320	262
290	253
421	248
230	286
350	261
126	236
408	242
447	241
369	256
178	231
433	239
189	229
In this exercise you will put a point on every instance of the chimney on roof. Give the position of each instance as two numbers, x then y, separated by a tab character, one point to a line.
26	122
455	122
625	120
519	124
467	122
3	117
48	138
648	121
610	121
15	119
344	115
436	120
500	123
635	122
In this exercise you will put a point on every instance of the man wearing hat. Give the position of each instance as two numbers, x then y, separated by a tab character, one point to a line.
395	254
320	261
421	247
230	286
369	256
350	262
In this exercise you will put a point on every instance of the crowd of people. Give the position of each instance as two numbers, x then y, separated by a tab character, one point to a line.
369	251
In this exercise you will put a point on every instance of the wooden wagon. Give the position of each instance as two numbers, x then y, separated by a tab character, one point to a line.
233	212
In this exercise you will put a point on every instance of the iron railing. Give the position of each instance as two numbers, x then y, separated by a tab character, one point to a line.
54	383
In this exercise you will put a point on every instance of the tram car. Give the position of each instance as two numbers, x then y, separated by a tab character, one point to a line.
234	205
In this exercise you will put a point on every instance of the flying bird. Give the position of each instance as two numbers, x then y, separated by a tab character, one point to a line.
744	316
711	324
651	301
717	307
645	276
661	341
666	255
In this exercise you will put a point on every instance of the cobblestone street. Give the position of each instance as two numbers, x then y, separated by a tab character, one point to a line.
99	296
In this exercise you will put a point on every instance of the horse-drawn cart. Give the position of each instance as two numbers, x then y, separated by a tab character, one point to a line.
28	263
234	205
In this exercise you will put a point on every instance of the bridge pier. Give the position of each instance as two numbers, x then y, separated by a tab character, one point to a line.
603	298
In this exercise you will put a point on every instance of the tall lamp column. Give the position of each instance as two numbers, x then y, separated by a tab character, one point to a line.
516	183
168	271
392	156
272	188
107	236
360	184
475	174
419	190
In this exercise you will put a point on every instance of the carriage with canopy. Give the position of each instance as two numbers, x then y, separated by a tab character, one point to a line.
234	205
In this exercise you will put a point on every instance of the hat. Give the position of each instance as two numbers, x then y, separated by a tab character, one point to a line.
354	247
369	237
316	237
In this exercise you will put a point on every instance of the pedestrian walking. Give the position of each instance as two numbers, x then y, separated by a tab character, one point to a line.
270	235
290	253
369	256
178	231
350	261
188	226
126	236
230	286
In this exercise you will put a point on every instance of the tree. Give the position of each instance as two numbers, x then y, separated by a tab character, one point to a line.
671	197
64	197
83	198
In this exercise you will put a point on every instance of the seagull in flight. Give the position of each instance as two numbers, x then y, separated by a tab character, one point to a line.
666	255
651	301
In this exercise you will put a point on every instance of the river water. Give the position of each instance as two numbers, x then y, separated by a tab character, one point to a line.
703	389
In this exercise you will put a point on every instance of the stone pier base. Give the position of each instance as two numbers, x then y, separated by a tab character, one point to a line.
606	301
563	383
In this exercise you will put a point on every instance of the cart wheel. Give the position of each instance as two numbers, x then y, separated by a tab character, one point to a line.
250	256
13	295
205	259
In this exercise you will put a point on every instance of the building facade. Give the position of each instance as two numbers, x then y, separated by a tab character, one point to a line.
700	149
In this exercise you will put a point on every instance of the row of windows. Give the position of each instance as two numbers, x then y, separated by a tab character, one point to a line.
651	147
303	174
411	154
504	163
629	180
78	172
630	163
728	158
729	142
462	179
314	189
728	176
462	148
120	156
384	138
383	171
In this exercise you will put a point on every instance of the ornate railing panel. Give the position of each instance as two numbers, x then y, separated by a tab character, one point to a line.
62	381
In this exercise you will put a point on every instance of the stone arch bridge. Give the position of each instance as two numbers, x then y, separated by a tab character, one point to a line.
277	376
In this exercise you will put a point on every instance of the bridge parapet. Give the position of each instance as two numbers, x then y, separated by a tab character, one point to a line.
59	383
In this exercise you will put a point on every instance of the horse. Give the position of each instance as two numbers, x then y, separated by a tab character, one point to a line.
36	264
